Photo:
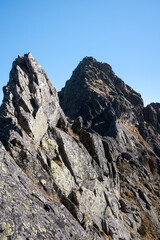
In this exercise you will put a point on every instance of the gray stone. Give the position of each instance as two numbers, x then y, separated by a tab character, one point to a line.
96	177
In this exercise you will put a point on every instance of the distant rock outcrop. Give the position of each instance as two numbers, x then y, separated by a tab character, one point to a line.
95	176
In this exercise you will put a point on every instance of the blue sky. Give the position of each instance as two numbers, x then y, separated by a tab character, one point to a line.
123	33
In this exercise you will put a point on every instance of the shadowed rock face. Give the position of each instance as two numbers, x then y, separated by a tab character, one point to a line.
100	97
111	108
152	115
96	177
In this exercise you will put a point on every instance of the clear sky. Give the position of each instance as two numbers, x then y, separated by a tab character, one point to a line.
59	33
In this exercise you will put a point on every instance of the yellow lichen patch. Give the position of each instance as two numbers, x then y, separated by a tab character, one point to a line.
88	202
34	230
7	231
26	206
3	168
8	194
4	225
62	177
3	237
43	181
25	225
42	229
9	208
49	145
33	212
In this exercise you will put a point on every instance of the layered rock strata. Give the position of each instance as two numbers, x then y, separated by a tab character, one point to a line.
93	177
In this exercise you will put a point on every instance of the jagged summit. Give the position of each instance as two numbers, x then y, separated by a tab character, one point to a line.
92	90
88	60
92	177
92	61
30	97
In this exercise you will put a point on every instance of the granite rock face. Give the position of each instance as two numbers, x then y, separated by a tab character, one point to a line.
95	176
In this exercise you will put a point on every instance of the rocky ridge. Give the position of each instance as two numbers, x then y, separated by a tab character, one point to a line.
95	176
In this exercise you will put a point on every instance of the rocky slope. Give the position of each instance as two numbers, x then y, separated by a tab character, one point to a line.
111	109
93	177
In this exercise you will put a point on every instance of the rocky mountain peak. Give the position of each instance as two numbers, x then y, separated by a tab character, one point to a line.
99	96
94	176
88	60
90	64
30	98
91	61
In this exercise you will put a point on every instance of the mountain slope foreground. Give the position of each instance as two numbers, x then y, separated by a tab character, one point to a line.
89	171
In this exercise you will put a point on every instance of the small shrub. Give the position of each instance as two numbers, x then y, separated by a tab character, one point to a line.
142	230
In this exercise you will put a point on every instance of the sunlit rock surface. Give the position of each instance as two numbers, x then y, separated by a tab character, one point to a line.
95	176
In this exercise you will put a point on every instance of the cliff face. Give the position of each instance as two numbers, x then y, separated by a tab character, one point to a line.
100	97
93	177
